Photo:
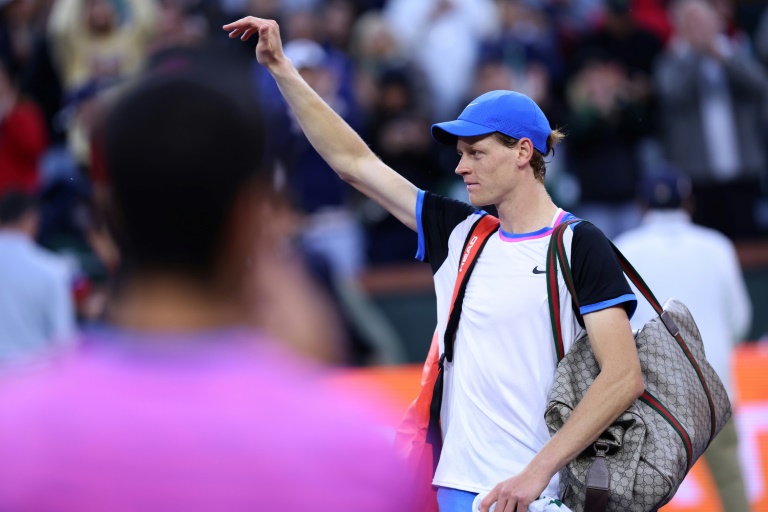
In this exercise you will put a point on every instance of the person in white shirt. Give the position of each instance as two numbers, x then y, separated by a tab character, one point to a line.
36	308
698	266
495	440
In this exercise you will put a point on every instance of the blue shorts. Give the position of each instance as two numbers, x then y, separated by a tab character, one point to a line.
454	500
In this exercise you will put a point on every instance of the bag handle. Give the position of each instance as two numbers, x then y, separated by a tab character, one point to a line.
478	236
556	256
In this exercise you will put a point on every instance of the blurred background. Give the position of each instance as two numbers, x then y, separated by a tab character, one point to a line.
639	87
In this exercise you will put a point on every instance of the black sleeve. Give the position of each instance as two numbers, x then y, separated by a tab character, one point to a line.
597	274
439	216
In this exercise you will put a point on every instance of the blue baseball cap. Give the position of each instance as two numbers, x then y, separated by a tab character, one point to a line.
511	113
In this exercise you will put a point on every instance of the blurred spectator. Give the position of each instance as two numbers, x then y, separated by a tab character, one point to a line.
609	98
311	24
492	74
96	43
100	38
698	266
24	49
431	31
17	32
331	227
399	134
374	45
39	81
651	15
178	402
36	313
293	5
301	24
180	23
336	20
732	19
624	42
78	117
72	218
608	117
68	226
376	51
527	38
23	137
712	99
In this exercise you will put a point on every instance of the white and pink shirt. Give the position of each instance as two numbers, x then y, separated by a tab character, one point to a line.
497	387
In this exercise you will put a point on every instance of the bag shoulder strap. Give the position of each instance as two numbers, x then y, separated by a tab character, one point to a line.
556	256
478	236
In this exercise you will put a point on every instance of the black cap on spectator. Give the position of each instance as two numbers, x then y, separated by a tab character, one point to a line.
665	189
179	147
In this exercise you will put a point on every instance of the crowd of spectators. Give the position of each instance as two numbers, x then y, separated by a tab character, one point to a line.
636	85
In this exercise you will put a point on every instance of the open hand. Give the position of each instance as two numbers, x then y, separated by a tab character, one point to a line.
269	50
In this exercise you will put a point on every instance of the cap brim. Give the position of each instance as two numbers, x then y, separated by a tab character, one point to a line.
447	133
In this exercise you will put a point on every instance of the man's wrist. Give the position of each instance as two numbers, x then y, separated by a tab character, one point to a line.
281	69
545	464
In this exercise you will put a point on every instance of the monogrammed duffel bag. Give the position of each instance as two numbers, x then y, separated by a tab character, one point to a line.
638	463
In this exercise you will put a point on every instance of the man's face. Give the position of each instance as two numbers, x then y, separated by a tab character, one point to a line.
487	168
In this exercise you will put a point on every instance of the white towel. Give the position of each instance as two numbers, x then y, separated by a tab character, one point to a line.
547	505
543	504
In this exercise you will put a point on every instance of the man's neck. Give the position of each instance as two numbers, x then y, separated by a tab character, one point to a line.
529	208
172	304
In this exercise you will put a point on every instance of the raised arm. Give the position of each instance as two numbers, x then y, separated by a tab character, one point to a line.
333	139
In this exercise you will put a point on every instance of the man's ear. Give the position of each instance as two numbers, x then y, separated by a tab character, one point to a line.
525	151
